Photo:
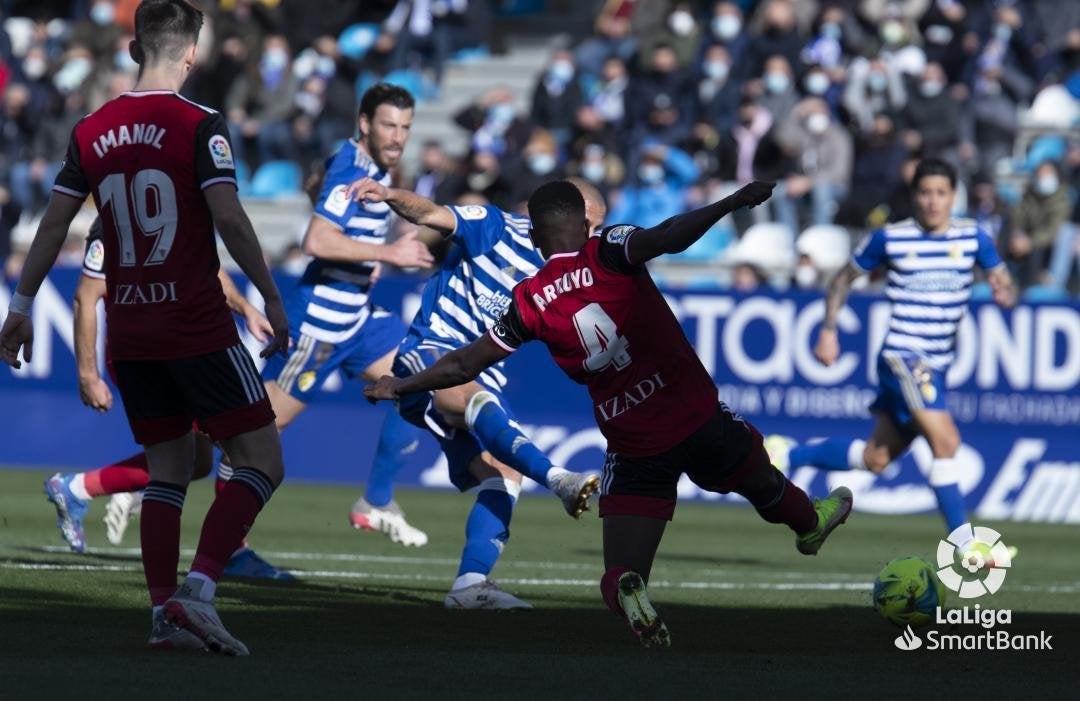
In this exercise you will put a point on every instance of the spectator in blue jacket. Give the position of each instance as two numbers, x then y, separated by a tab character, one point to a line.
658	188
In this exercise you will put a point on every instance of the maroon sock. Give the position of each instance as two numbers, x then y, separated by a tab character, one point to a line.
791	507
159	530
229	519
127	475
609	588
219	484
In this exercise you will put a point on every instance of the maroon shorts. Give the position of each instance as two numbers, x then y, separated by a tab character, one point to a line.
716	457
220	392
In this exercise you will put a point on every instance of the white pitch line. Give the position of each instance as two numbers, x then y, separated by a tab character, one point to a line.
1068	588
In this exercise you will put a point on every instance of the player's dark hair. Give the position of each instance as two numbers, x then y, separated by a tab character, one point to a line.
385	94
933	166
165	28
557	206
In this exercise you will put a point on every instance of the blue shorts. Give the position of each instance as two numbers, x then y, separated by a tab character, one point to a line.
310	362
459	445
907	384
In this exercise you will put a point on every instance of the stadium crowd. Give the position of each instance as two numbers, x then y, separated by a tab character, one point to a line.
665	105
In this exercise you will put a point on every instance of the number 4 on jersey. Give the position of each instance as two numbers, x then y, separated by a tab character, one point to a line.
601	340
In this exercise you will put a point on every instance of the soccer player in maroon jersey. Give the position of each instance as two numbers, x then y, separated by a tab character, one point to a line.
162	174
598	311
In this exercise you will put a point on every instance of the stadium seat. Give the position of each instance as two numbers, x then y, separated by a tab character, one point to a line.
769	246
356	40
275	178
827	245
981	292
1045	293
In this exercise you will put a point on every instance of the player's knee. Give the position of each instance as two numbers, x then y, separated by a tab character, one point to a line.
876	458
451	407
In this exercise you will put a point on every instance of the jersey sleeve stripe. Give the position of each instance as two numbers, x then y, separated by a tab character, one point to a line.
215	181
93	274
500	344
69	192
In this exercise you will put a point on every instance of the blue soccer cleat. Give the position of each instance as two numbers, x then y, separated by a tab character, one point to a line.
247	563
70	510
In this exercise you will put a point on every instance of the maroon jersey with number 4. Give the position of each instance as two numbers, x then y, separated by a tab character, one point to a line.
146	157
607	326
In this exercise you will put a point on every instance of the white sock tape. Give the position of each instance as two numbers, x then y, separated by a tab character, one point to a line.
476	404
855	455
501	484
942	472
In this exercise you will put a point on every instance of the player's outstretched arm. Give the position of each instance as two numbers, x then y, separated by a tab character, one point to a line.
93	391
239	237
827	349
406	204
18	330
453	369
678	233
323	240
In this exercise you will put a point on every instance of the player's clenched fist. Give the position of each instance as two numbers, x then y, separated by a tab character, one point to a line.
367	189
383	388
752	195
827	349
18	331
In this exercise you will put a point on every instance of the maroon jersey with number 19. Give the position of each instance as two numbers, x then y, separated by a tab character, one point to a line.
146	157
607	326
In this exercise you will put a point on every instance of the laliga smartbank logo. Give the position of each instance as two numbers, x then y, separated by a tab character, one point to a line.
973	562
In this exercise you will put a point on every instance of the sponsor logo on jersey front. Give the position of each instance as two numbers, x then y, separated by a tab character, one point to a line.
220	152
95	256
337	202
628	399
150	293
494	304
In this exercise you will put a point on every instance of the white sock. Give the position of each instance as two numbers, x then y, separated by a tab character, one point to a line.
555	472
855	455
467	580
155	610
201	586
942	472
78	487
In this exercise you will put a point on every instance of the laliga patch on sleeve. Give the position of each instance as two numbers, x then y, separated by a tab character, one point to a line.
95	256
471	212
618	234
220	152
337	202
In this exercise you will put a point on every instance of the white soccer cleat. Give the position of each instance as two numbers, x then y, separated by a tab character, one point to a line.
121	509
169	636
778	449
201	619
389	520
575	489
484	595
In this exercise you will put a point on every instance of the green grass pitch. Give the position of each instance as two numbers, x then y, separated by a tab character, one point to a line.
748	615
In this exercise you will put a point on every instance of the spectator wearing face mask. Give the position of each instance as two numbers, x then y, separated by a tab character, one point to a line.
495	124
657	189
833	35
601	167
1004	39
36	78
718	92
664	77
931	118
874	87
942	27
725	29
612	38
822	150
681	32
777	90
817	82
1037	222
876	173
608	95
557	96
778	35
99	31
541	164
259	104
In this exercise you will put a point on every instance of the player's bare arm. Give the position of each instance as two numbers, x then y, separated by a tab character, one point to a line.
407	204
453	369
827	349
93	391
681	231
324	240
1002	286
257	324
239	237
18	330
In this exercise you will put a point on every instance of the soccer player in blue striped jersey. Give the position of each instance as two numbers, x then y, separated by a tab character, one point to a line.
930	262
334	324
484	446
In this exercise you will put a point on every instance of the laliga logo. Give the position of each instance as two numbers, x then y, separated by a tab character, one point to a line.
908	640
983	550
